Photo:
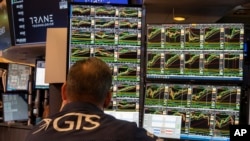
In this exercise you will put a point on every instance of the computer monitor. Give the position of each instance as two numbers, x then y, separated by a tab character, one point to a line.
30	19
40	75
18	77
163	126
15	107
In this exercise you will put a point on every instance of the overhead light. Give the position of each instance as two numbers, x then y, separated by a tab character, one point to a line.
178	18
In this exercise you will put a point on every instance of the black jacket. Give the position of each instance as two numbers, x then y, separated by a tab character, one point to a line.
86	122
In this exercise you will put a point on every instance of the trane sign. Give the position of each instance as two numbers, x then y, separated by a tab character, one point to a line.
42	21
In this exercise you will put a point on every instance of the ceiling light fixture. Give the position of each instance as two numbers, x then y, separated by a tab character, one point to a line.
178	18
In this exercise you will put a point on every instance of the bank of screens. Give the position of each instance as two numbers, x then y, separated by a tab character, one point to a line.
206	111
40	75
113	34
195	51
18	77
15	107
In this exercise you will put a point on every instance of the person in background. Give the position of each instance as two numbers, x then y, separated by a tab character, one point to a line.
85	94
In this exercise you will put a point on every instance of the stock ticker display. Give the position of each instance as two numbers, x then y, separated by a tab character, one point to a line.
112	33
199	52
188	53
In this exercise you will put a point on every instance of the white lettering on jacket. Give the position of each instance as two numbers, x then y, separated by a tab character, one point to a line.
71	124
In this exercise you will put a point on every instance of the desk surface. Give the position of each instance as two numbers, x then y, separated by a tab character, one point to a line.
16	125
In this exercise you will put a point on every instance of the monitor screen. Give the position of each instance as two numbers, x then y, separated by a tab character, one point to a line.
30	19
206	111
195	52
40	75
15	107
128	116
163	126
5	37
18	76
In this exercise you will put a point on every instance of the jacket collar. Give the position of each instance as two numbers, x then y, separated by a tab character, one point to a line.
81	106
